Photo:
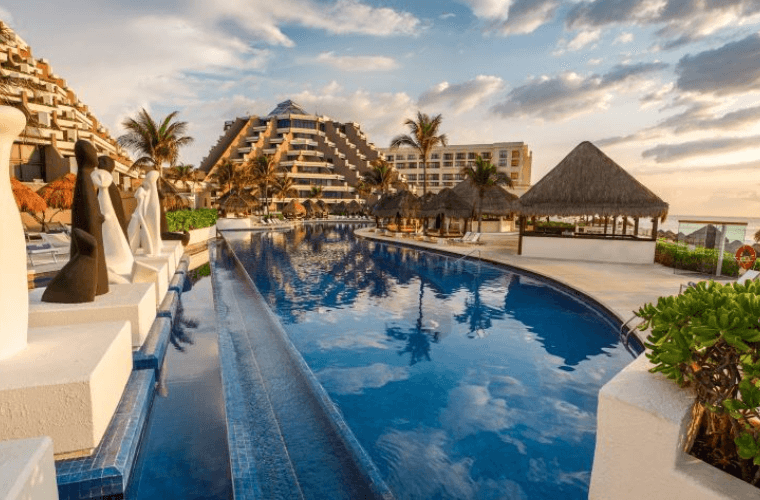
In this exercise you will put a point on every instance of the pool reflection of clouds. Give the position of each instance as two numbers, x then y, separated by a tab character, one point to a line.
355	380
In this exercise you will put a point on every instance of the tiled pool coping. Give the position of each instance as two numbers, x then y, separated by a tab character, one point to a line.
106	473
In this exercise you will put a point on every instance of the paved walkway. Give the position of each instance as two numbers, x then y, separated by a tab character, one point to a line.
621	288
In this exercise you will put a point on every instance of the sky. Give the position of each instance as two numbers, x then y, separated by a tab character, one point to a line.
669	89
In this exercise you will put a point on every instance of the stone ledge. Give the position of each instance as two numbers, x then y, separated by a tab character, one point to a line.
134	303
642	423
28	470
107	471
66	384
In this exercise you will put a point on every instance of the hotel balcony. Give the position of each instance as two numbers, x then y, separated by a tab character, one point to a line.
269	151
276	140
244	150
259	128
292	163
300	140
307	175
252	138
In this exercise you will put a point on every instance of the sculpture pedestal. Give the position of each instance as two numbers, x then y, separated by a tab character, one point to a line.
174	247
166	257
66	384
27	469
135	303
158	277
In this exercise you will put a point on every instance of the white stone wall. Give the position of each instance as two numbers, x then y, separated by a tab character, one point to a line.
595	250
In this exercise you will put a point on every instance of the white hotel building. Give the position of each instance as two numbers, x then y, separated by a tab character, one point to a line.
445	164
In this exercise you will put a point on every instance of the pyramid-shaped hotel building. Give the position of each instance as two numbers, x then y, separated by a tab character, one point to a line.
314	150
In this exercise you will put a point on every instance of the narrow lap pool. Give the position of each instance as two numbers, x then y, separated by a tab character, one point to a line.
461	380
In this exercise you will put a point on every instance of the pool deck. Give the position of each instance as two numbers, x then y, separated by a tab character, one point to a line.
621	288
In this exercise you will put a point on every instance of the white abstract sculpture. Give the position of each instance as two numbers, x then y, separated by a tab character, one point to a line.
14	295
121	264
153	211
139	236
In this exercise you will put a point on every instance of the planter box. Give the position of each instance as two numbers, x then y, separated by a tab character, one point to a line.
202	235
642	423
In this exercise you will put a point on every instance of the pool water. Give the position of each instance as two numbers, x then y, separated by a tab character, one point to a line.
460	379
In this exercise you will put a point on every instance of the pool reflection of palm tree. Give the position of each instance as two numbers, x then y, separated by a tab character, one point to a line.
418	339
179	334
477	315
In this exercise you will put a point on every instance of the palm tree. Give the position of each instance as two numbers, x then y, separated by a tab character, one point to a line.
363	189
183	174
284	187
232	176
316	192
265	173
484	175
382	176
156	143
423	138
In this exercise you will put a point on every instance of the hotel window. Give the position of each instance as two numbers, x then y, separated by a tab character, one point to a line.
435	156
448	164
411	177
389	158
461	156
486	155
448	156
283	123
470	156
411	157
433	177
458	177
515	162
434	165
503	154
470	163
459	164
514	176
448	177
502	163
433	184
411	165
400	165
516	153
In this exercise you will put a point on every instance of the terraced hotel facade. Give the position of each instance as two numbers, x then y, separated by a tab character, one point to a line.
56	119
444	165
314	150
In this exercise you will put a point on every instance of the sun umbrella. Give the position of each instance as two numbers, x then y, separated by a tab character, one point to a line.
403	204
496	199
59	194
26	199
354	208
293	209
339	208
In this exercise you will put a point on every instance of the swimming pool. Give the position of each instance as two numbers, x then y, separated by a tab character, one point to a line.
460	379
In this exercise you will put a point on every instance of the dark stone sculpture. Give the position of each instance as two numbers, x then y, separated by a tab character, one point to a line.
76	282
184	237
106	163
85	211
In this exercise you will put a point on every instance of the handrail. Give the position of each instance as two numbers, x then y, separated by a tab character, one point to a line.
468	254
630	330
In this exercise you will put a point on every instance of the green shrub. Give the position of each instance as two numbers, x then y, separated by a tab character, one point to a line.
700	260
185	220
709	338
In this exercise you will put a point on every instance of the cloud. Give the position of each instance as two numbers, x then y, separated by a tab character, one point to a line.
516	17
663	153
462	96
355	380
680	21
264	18
570	94
447	15
357	63
731	69
381	114
623	38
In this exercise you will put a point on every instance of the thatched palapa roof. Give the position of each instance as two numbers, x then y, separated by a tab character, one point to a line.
496	199
588	182
448	203
403	203
294	209
59	193
354	207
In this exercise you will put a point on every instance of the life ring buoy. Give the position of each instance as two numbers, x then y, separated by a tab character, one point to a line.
745	256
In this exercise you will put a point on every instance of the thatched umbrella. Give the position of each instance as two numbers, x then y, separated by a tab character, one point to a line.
26	199
235	203
170	198
354	208
311	209
496	199
339	208
293	210
60	192
588	182
323	206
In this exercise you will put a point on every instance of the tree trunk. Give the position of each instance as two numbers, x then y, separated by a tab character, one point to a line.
424	176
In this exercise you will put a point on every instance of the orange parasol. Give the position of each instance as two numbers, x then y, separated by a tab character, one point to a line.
59	193
26	199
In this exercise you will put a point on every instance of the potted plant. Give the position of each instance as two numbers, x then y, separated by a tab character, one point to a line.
708	338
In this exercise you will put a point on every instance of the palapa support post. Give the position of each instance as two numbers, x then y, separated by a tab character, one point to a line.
523	221
655	220
636	227
625	224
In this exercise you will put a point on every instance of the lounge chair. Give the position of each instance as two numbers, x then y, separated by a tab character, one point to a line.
45	249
